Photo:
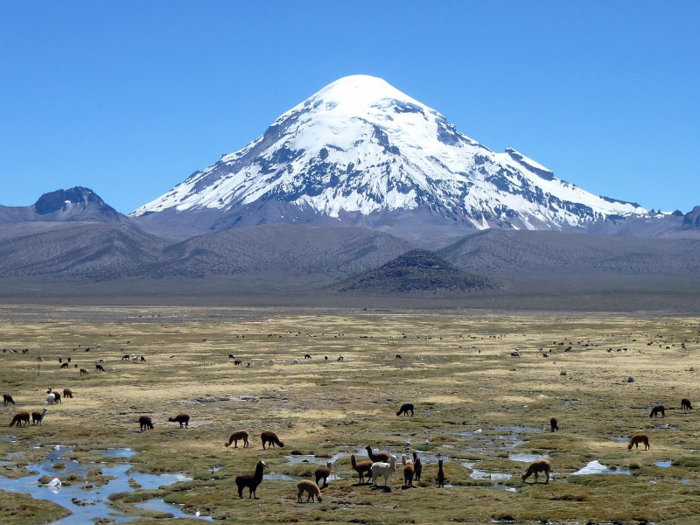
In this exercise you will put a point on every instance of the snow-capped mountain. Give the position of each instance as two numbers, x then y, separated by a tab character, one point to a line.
361	152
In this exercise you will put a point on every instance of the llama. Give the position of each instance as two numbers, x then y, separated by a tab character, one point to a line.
56	395
238	362
143	359
180	418
685	404
399	356
554	424
383	469
100	368
126	357
20	417
541	465
145	422
240	435
37	417
655	411
7	399
440	474
270	437
307	356
405	408
296	361
67	393
83	372
64	365
252	481
409	471
379	457
340	359
323	473
418	465
362	468
311	490
50	399
638	438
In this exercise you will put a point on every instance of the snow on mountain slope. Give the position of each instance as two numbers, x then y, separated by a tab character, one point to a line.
360	147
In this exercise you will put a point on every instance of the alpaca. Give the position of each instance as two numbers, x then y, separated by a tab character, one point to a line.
409	471
399	356
50	399
541	465
145	422
67	393
271	438
383	469
64	365
56	395
307	356
340	359
37	417
7	399
382	457
418	465
125	357
554	424
236	436
440	474
685	404
362	468
311	490
655	411
296	361
238	362
20	417
638	438
405	408
323	473
83	372
100	368
252	481
180	418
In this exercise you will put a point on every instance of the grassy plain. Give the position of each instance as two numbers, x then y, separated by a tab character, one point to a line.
457	369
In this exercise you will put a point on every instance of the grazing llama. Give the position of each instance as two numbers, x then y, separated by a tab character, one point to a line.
180	418
311	489
240	435
638	438
541	465
405	409
270	437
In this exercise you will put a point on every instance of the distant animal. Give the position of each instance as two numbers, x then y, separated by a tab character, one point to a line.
67	393
270	437
240	435
247	365
50	399
655	411
69	359
307	356
326	358
341	358
87	349
20	417
440	474
685	404
322	473
60	360
379	457
418	465
272	361
64	365
296	361
399	356
383	470
515	354
125	357
143	359
405	408
83	372
180	418
638	438
57	396
537	467
554	424
38	416
252	481
362	468
145	422
102	361
100	368
409	471
238	362
7	399
311	489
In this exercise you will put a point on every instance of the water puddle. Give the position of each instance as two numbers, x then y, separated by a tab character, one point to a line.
159	505
619	439
664	464
481	475
505	438
595	467
526	458
276	476
119	453
664	427
86	502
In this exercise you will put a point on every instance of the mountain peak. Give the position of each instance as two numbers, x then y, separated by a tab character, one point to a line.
62	200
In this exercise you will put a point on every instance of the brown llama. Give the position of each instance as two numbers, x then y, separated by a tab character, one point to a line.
145	422
655	411
685	404
270	437
379	457
417	465
440	474
252	481
238	362
541	465
180	418
83	372
7	399
20	417
311	489
409	470
37	417
323	473
362	468
638	438
554	424
67	393
64	365
240	435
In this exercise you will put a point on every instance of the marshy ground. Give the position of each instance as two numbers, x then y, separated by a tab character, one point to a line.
483	411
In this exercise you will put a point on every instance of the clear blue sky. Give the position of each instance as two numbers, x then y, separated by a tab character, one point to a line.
130	97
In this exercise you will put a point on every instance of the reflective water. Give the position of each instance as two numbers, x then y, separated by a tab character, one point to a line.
595	467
